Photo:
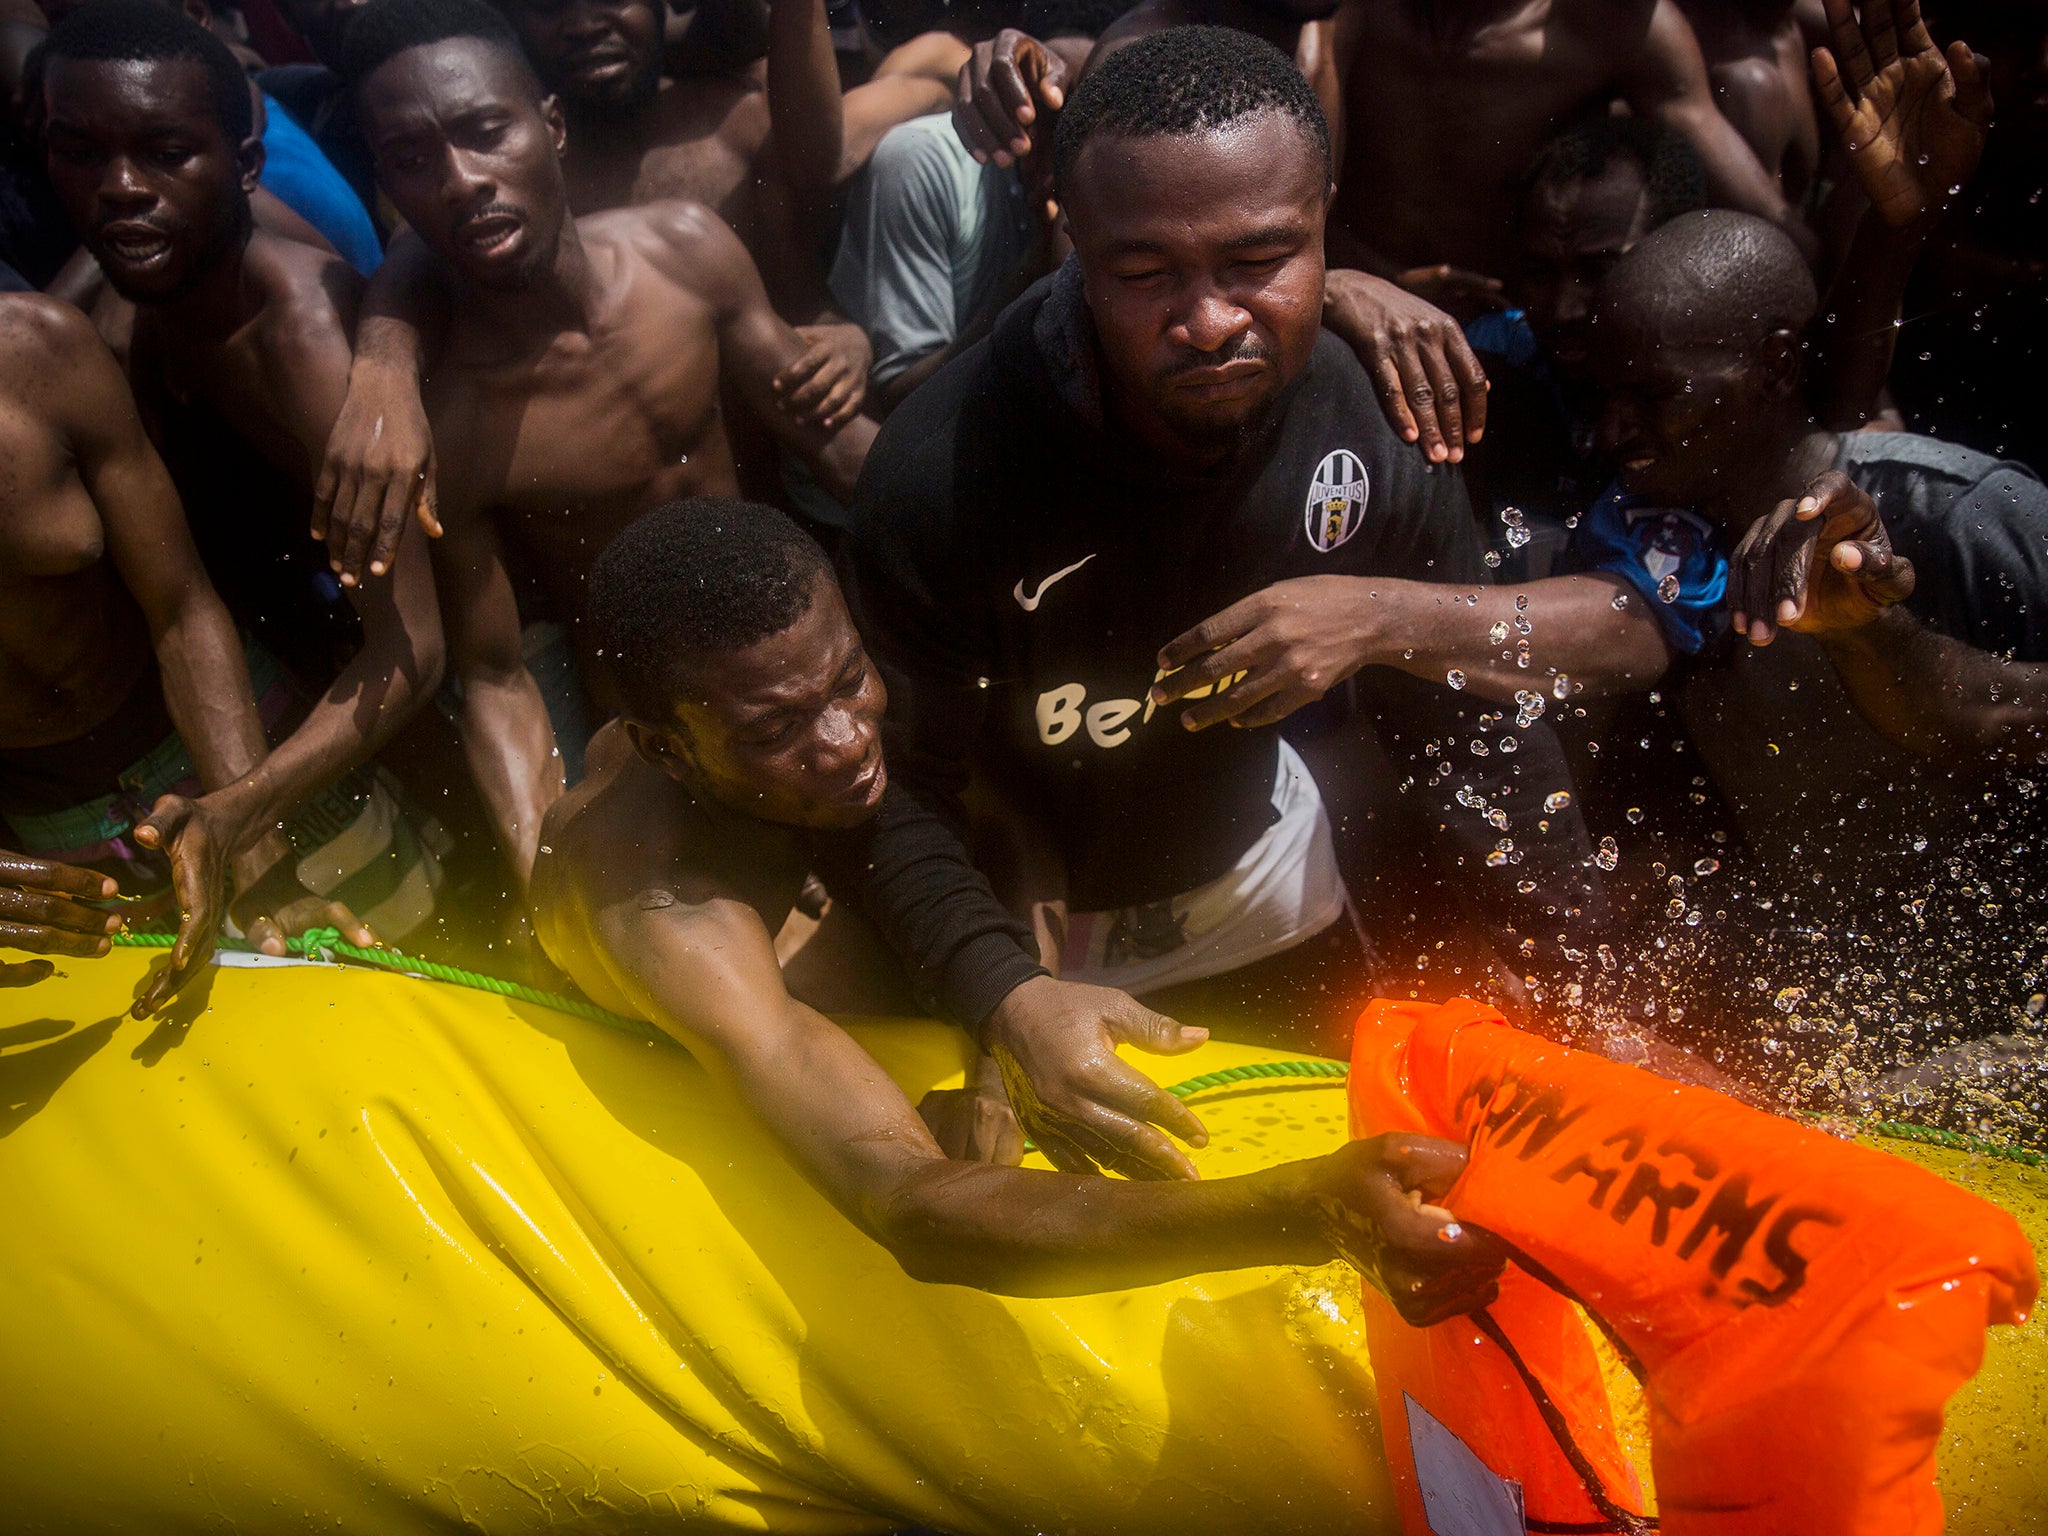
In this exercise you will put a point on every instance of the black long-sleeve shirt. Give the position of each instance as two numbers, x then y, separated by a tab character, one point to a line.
1015	569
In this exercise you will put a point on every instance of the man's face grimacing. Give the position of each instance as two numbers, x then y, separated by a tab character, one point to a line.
601	56
1682	417
1202	256
788	729
469	151
151	182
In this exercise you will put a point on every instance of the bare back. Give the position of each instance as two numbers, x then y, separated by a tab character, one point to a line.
72	640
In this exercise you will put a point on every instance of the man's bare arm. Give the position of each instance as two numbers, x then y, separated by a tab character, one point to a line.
706	974
206	681
199	655
1912	122
377	467
755	346
507	739
402	656
804	104
1938	696
1322	629
1667	83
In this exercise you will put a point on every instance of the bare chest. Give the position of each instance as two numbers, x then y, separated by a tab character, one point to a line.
48	524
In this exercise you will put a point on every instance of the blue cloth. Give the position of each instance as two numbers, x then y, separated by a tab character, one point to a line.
1628	537
302	178
1507	334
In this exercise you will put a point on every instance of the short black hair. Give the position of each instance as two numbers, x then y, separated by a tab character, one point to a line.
696	578
1714	279
146	31
1183	81
1672	173
383	29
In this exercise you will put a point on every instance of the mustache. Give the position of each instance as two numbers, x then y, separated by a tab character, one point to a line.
1246	349
491	211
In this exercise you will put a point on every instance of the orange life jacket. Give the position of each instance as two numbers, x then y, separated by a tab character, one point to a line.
1800	1308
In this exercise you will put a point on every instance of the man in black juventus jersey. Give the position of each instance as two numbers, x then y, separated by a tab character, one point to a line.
1104	553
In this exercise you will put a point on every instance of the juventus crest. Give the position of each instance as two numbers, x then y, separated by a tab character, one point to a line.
1336	499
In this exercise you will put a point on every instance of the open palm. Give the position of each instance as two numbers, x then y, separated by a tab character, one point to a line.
1915	125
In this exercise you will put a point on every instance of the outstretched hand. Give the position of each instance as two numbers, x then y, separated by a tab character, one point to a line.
188	833
1010	86
1379	1203
378	474
1430	384
1055	1042
42	911
1912	119
1820	563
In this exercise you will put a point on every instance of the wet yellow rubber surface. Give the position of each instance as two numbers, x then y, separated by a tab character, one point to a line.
351	1252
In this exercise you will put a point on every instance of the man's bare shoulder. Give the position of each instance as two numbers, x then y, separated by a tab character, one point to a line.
684	238
55	369
41	337
310	297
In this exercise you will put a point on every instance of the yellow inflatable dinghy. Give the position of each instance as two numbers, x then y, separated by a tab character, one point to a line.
338	1250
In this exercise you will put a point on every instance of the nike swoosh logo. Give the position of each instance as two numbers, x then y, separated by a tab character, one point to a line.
1030	604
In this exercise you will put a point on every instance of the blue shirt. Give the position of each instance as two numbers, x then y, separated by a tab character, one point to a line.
304	180
1643	544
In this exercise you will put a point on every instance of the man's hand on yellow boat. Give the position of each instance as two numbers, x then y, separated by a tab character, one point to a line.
42	910
1378	1200
1086	1109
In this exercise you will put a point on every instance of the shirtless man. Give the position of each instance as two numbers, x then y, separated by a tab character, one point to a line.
752	715
243	337
109	634
1436	209
1755	52
579	382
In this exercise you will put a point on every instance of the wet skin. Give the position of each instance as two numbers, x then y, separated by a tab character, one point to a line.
580	381
659	894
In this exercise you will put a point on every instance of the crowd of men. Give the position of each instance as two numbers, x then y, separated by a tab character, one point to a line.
1066	518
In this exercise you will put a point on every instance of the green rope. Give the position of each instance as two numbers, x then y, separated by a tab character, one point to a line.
1251	1070
328	944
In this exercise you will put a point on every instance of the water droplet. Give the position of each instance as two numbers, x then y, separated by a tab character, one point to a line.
1621	599
1635	815
1527	888
1562	688
1517	537
1491	559
1499	632
1495	859
1512	516
1706	867
1608	855
1557	800
1455	678
1788	998
1668	590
